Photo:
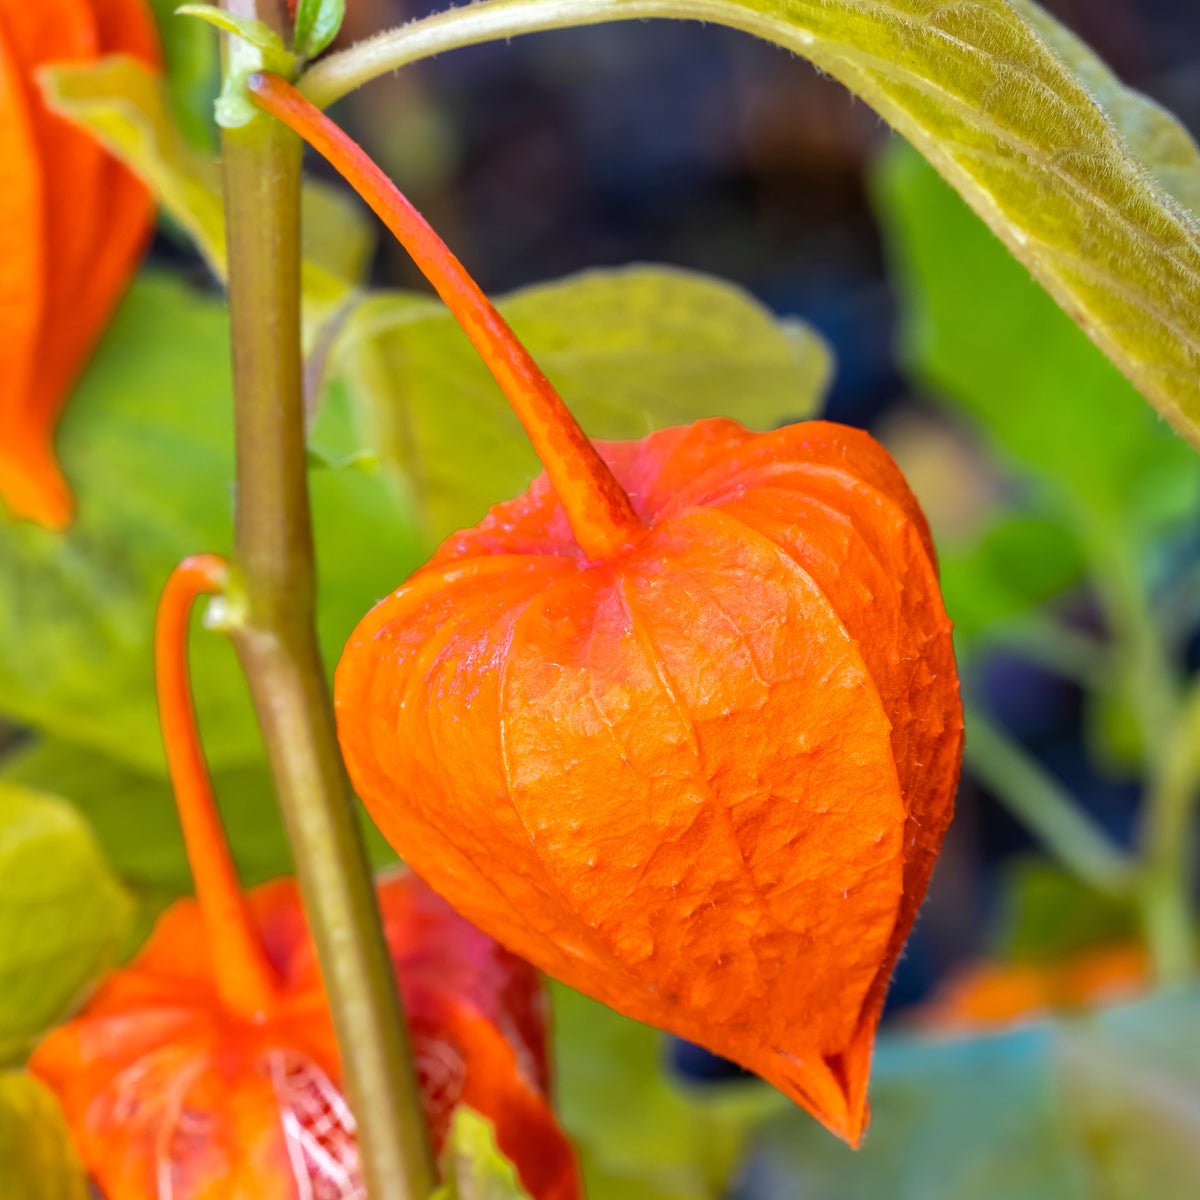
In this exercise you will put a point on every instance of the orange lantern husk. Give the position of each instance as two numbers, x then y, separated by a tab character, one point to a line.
986	996
680	725
209	1070
73	224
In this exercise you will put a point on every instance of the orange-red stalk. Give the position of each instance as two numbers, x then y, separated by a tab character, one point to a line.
246	980
601	516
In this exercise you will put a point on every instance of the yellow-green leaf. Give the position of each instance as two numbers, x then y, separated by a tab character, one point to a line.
1066	166
37	1159
630	350
62	914
123	103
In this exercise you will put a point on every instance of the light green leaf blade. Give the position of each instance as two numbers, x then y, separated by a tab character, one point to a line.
147	443
1046	154
124	104
630	350
639	1136
317	24
260	35
473	1168
37	1159
62	914
1104	1105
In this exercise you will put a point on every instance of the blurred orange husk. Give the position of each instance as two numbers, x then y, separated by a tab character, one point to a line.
991	995
167	1093
73	224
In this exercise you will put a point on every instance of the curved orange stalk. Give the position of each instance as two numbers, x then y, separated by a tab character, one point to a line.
246	980
601	516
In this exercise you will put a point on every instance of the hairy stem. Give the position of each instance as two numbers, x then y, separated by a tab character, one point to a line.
339	74
273	582
1038	801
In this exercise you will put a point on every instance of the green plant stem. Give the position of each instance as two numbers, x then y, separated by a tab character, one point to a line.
1169	727
1140	660
1166	849
273	597
1037	800
339	74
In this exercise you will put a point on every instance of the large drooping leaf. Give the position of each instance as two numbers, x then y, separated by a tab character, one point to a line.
473	1168
147	443
630	350
1101	1106
132	814
640	1136
63	916
37	1159
1029	127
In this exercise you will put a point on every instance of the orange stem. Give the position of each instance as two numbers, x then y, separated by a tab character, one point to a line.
246	980
599	511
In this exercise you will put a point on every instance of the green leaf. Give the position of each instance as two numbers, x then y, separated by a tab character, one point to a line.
1016	564
124	104
147	443
639	1136
276	56
62	914
133	816
192	67
1104	1106
338	239
631	351
473	1168
317	24
37	1158
1047	915
986	339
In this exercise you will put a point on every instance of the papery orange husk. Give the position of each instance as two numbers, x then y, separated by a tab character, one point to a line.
986	996
169	1096
73	224
703	779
